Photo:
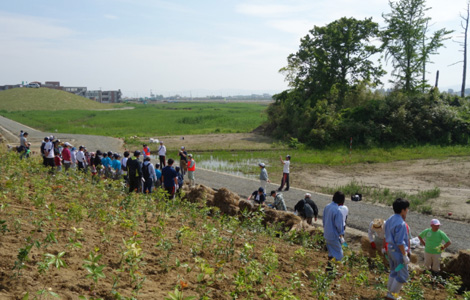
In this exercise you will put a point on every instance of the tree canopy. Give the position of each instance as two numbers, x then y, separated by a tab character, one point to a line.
405	42
335	57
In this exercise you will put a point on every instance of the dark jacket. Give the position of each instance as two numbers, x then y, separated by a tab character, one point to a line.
134	168
262	197
307	201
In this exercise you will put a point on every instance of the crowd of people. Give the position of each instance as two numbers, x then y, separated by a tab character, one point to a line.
391	237
140	175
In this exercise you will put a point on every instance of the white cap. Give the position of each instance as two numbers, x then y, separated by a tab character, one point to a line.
435	222
182	147
308	195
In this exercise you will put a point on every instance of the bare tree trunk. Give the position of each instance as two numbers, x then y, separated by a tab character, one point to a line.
464	74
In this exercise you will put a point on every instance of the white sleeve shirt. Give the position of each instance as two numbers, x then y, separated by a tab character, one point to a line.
162	150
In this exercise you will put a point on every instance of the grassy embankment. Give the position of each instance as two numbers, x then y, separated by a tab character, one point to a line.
41	99
70	236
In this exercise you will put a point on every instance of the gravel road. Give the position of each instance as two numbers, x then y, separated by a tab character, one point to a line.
360	213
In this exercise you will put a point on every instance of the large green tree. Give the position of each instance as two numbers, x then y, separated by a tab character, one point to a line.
334	59
406	43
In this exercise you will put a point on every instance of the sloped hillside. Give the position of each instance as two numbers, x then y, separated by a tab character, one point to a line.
44	99
71	235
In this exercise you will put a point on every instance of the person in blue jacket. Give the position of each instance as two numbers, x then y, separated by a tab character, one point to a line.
396	236
333	229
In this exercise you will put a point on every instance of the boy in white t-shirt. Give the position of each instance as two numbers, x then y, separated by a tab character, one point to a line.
285	173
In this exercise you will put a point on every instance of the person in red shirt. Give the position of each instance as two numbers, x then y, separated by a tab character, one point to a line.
67	156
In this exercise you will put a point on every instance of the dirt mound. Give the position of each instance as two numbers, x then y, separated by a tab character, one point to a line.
288	219
227	201
199	194
246	205
459	264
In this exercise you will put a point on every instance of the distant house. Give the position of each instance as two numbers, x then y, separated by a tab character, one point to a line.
52	85
104	96
80	91
9	86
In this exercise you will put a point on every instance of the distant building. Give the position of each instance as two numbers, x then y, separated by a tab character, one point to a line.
104	96
9	86
52	85
79	91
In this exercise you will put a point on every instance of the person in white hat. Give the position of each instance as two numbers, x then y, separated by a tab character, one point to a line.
432	239
376	234
263	176
67	156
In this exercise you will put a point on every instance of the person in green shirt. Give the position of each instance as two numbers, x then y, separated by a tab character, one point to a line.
432	239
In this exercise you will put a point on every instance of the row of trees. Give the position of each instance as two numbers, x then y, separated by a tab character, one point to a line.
332	73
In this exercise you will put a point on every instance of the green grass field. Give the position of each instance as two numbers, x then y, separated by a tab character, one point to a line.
149	120
31	99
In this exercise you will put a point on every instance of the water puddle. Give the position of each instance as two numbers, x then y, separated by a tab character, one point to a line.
244	168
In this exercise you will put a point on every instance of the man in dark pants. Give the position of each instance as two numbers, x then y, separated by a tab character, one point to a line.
134	171
170	178
285	173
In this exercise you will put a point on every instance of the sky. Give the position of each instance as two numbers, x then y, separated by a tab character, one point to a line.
190	48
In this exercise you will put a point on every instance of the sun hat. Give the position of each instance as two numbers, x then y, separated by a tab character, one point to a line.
68	144
435	222
377	223
308	195
182	147
190	155
262	165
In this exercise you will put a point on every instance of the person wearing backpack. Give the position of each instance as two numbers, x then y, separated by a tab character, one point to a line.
307	209
134	171
148	172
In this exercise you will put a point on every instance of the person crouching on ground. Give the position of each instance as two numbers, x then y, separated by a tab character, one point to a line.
376	234
333	229
279	203
432	239
258	196
396	237
307	209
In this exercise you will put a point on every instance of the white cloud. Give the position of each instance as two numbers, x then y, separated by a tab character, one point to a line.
14	27
111	17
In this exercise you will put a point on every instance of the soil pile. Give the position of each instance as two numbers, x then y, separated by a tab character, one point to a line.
460	265
199	194
227	202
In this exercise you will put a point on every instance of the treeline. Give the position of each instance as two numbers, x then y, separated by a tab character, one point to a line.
394	119
333	75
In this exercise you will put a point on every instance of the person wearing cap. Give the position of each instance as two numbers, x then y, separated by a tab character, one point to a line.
285	173
67	156
333	229
433	239
134	171
183	160
307	209
49	154
161	155
396	237
263	176
73	156
376	234
23	148
191	170
258	196
279	203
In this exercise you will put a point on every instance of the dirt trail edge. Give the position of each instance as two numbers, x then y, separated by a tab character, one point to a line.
360	213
